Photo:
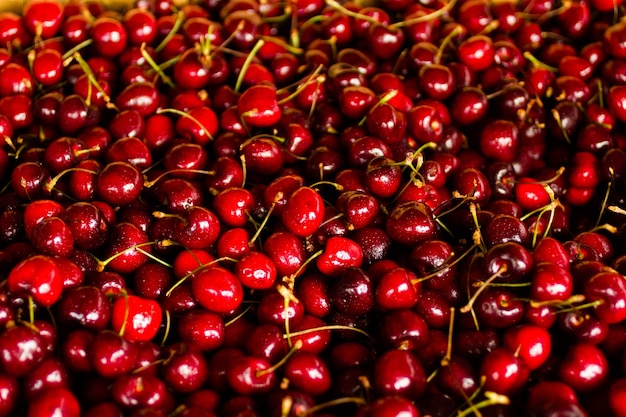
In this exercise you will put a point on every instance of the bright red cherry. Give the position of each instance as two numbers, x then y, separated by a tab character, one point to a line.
39	277
136	318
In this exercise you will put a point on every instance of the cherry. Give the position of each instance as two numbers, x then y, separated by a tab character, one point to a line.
410	223
256	270
616	397
425	124
249	375
136	318
109	35
399	372
499	140
111	355
55	401
217	289
119	183
23	350
258	106
308	373
584	367
532	343
85	306
390	406
396	289
138	391
504	372
127	251
404	328
9	394
607	287
186	370
303	212
50	373
39	277
262	155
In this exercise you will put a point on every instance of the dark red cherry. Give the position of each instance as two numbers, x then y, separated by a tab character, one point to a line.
411	223
23	349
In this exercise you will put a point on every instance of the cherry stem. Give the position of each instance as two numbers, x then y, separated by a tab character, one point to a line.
294	50
222	46
159	71
156	259
484	284
257	233
244	169
198	269
296	347
444	43
581	306
126	313
338	187
69	55
287	294
616	209
332	403
92	80
104	263
605	200
246	64
180	17
31	310
537	63
311	78
168	326
149	184
576	298
444	267
350	13
190	117
238	316
329	327
384	99
477	236
425	18
492	398
49	185
550	206
290	280
445	361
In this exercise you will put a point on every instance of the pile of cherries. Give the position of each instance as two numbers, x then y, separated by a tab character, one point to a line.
250	208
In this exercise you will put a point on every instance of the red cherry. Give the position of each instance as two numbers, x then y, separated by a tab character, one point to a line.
256	270
532	343
584	367
303	212
136	318
217	289
39	277
109	36
608	288
339	254
54	402
504	371
43	17
258	106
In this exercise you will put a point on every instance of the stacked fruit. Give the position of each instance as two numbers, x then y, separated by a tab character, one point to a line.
309	208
